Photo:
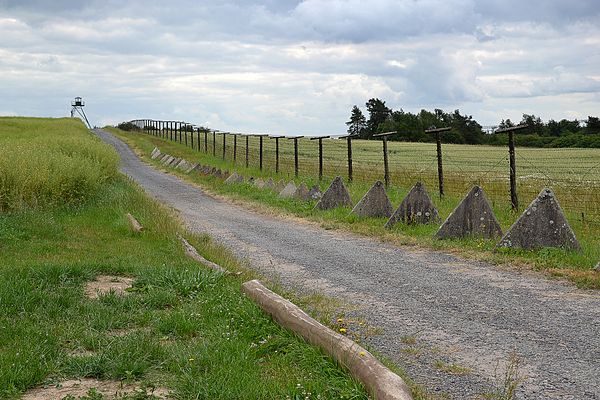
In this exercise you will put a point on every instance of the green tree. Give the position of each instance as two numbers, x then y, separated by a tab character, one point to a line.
378	114
592	125
357	123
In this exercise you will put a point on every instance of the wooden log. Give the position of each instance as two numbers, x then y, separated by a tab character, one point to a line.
191	252
381	382
134	223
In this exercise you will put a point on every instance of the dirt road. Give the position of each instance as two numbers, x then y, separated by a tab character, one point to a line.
451	324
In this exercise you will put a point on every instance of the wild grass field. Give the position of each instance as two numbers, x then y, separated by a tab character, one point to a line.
576	266
42	167
180	326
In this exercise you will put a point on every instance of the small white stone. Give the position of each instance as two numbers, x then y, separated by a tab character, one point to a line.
551	222
419	213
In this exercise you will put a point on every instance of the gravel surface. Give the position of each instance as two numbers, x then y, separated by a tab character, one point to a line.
434	310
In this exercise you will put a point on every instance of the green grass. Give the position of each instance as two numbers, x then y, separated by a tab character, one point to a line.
576	266
50	161
182	326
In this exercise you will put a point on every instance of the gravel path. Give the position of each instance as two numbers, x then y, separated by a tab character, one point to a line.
434	309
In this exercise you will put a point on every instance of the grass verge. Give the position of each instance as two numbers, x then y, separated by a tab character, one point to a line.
180	326
576	266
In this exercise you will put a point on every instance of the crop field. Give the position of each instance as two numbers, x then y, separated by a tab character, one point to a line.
574	174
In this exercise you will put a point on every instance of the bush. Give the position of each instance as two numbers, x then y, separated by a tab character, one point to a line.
128	126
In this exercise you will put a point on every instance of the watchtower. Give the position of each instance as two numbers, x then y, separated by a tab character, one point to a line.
77	107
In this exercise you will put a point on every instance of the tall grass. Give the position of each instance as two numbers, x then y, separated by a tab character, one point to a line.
49	162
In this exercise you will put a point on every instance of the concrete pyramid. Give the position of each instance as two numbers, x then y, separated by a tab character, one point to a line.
336	195
182	164
174	162
375	203
155	153
302	192
270	184
542	224
233	178
472	217
167	159
289	190
192	167
162	157
416	208
315	193
259	183
280	185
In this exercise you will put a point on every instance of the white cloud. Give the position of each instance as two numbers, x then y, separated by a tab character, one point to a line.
298	67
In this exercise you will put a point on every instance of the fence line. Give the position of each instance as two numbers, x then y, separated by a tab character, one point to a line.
506	175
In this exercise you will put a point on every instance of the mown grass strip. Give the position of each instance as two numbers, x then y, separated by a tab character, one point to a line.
576	266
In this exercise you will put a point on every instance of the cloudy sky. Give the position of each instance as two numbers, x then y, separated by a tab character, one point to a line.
282	66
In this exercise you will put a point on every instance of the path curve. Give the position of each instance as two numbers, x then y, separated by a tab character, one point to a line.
455	311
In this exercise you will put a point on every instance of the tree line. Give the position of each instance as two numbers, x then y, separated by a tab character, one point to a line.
411	128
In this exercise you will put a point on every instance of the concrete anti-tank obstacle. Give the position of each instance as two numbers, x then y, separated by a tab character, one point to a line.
289	190
597	268
270	184
174	162
379	381
279	186
191	168
259	183
336	195
183	164
233	178
163	158
315	192
155	153
302	193
167	158
416	208
542	224
375	203
472	217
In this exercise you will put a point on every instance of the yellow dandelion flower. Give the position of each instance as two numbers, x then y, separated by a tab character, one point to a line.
342	330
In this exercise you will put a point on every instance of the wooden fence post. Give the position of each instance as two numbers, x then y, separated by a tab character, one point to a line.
224	136
386	167
438	141
234	147
514	199
320	139
247	151
277	152
295	138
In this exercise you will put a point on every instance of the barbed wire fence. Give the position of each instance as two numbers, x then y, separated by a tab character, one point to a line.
574	174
